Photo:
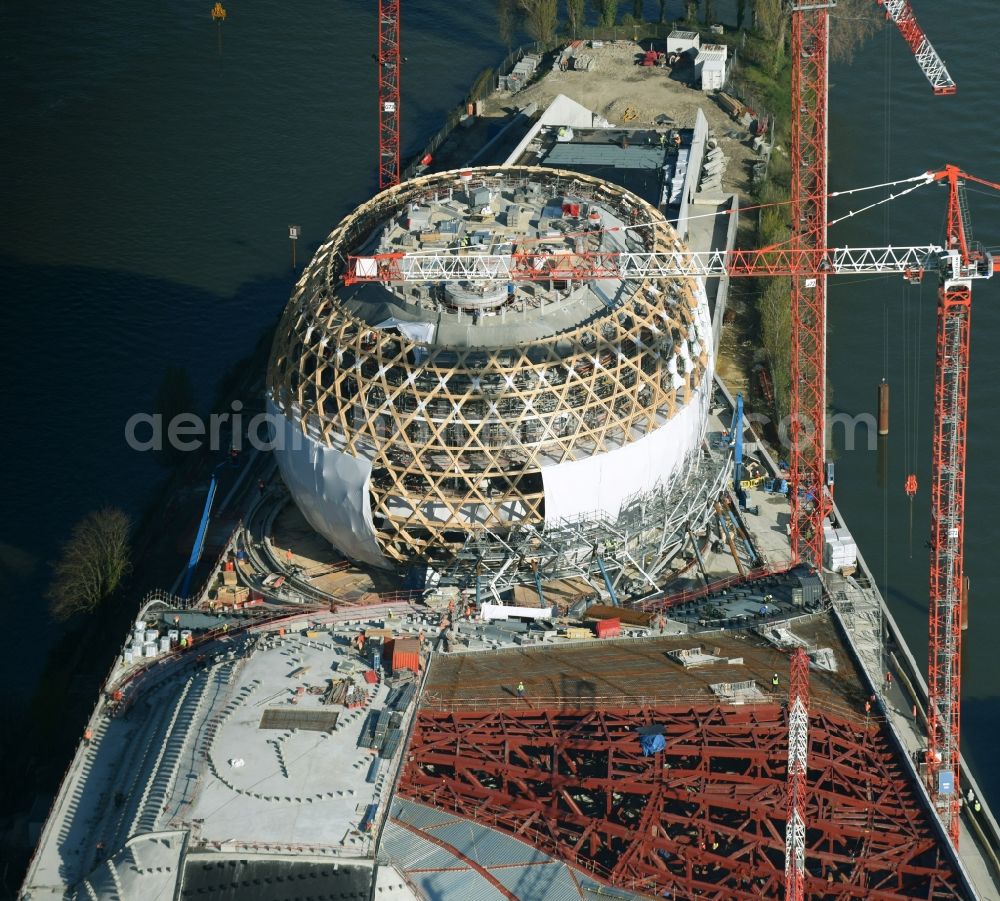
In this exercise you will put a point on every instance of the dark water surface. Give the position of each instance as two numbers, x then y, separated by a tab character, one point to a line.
147	185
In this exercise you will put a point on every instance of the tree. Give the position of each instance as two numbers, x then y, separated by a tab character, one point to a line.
691	12
607	12
637	11
507	21
574	16
92	564
851	24
741	12
541	17
663	11
767	17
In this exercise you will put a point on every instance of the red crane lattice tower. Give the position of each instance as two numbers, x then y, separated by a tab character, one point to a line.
810	64
388	93
951	400
798	764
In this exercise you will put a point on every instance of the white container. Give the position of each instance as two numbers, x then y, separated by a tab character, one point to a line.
186	635
128	657
152	634
149	649
164	644
174	635
136	649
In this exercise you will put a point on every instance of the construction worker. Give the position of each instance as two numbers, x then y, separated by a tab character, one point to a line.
520	691
888	679
976	806
775	681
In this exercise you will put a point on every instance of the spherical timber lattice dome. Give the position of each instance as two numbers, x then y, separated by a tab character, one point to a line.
416	413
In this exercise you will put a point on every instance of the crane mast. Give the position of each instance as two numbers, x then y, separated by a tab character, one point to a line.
798	769
810	65
388	59
951	399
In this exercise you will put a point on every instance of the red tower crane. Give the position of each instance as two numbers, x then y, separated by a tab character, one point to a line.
810	82
951	396
389	60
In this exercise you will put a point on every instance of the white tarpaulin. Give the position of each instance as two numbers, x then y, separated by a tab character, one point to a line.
330	487
602	483
415	331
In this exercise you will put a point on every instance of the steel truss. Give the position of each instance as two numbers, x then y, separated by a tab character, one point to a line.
807	494
704	818
635	546
900	12
388	93
797	775
445	266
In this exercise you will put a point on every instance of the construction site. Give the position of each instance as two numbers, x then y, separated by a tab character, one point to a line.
524	607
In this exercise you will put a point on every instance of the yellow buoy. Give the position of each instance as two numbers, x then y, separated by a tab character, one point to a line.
218	13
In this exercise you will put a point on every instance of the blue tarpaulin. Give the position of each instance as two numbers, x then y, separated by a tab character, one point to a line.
650	744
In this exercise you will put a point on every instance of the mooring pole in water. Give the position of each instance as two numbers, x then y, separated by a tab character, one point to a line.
293	235
883	407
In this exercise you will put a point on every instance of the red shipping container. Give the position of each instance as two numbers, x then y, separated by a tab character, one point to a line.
571	209
371	677
609	628
406	655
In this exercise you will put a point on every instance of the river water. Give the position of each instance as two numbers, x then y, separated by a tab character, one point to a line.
148	183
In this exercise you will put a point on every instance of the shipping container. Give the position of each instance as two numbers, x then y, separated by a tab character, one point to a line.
406	655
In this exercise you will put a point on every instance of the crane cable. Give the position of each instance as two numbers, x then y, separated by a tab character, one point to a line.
916	181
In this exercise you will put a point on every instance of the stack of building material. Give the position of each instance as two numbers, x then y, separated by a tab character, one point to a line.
840	552
630	617
713	168
680	173
520	75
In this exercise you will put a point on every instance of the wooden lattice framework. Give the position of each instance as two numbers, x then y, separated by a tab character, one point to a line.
457	436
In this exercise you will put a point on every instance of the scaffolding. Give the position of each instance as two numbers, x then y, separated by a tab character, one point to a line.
635	547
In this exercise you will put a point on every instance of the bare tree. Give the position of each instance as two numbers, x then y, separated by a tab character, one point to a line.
574	16
93	563
540	18
663	10
851	24
607	12
507	21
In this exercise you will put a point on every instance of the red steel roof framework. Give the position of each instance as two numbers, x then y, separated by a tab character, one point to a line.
705	817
